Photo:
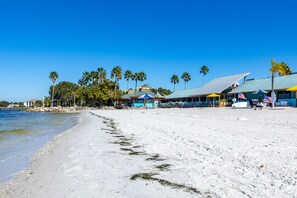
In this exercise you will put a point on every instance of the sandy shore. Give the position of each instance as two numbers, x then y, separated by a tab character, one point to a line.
167	153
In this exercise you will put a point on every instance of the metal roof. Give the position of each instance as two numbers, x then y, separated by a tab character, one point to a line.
182	93
217	85
127	96
137	95
280	83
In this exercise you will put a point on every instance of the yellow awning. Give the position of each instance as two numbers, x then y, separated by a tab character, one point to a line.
294	88
213	95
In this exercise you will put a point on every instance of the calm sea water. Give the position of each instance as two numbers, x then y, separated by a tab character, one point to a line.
22	133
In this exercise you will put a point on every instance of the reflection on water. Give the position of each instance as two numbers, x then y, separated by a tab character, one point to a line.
22	133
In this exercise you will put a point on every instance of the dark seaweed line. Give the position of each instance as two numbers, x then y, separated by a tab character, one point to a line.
123	141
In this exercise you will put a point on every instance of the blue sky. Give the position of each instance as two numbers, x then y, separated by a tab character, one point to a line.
160	37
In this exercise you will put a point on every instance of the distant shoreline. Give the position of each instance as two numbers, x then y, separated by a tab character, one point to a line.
13	109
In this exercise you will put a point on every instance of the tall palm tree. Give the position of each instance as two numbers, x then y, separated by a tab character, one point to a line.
94	77
53	76
204	70
276	68
138	76
135	77
101	74
186	77
128	75
174	79
287	68
142	76
84	79
116	73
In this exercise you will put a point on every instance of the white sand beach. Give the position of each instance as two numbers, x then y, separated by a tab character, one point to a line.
201	152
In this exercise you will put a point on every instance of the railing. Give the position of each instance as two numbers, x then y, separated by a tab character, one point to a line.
187	104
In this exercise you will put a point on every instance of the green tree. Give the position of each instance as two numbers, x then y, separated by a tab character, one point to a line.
101	74
287	68
98	95
135	78
164	91
174	79
276	68
84	79
53	76
64	91
204	70
94	77
142	76
38	103
4	103
116	73
139	76
186	77
128	75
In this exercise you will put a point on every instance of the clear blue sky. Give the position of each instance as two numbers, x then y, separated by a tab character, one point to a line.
160	37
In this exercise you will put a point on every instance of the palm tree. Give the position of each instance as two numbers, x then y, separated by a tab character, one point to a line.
174	79
116	73
101	74
128	75
287	68
186	77
276	68
53	76
138	76
142	76
94	77
204	70
84	79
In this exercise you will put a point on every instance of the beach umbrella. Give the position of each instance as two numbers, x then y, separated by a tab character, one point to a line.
146	96
260	91
213	96
294	88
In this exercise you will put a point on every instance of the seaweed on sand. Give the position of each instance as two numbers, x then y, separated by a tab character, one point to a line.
132	152
122	143
155	157
119	136
163	167
150	177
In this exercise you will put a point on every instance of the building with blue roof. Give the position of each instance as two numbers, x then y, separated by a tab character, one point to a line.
198	96
281	84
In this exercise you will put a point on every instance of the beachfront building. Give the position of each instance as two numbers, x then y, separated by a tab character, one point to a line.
281	84
30	103
144	97
214	93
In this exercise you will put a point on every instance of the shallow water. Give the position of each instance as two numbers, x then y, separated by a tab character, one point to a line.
22	133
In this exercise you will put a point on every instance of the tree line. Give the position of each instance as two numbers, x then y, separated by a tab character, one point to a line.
94	88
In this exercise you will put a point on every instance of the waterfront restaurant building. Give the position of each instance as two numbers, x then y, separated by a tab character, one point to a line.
143	98
281	84
201	96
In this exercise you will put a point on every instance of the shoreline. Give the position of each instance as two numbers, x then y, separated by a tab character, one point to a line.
28	133
166	153
38	152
